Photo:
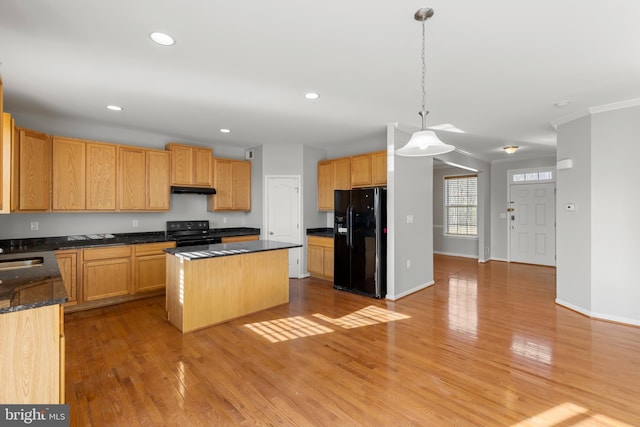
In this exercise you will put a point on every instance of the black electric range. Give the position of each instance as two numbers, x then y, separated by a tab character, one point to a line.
191	233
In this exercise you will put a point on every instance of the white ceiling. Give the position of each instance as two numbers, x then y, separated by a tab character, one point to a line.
494	68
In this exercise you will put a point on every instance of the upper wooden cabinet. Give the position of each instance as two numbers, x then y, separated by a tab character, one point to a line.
190	165
369	169
232	181
6	140
84	175
31	171
143	176
333	175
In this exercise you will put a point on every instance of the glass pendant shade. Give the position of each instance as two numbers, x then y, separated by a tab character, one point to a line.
424	143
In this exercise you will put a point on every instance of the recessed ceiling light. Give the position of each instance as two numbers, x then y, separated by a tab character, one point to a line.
114	107
225	130
162	38
311	95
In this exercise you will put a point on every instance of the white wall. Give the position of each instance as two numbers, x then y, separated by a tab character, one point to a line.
600	281
410	193
499	202
573	229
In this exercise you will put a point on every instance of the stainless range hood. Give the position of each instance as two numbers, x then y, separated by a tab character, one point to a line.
192	190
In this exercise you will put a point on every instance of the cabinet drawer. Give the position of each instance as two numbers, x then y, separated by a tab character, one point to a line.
326	242
152	248
232	239
106	252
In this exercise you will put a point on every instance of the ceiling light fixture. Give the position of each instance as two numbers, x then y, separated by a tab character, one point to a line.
510	149
162	39
223	130
311	95
114	107
424	142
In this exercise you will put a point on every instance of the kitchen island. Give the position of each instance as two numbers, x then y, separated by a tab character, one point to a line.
211	284
31	329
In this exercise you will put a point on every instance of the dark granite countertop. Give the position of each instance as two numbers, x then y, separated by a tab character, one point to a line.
229	249
320	232
16	246
30	287
235	231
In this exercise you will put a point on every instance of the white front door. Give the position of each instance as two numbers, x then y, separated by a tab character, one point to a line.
532	224
284	216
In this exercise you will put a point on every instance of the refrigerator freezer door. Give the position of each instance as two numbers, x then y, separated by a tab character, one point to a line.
342	256
364	238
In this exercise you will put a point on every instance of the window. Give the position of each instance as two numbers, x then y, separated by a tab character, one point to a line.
461	205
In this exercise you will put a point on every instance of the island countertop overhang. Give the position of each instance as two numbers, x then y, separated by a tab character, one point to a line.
229	249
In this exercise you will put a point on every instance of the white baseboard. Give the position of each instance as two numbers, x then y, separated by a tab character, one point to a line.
454	254
410	291
600	316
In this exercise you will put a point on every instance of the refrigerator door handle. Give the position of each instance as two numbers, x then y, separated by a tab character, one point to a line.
350	227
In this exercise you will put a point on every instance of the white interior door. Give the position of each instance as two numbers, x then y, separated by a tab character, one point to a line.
284	216
532	224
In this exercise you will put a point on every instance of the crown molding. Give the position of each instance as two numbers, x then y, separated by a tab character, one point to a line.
594	110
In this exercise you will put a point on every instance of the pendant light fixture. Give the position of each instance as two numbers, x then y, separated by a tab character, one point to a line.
424	142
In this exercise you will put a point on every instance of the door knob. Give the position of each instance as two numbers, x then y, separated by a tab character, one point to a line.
271	232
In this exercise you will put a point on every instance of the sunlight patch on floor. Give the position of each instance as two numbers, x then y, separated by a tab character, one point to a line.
289	328
569	414
367	316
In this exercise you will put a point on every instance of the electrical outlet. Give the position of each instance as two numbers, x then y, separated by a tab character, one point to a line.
409	219
408	263
224	219
134	223
34	225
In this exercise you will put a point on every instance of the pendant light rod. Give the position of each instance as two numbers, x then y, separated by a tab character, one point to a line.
424	142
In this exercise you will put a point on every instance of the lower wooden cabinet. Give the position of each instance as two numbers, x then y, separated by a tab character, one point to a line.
320	257
149	266
32	356
68	265
106	272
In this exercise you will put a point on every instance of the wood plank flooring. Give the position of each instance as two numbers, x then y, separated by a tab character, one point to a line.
485	346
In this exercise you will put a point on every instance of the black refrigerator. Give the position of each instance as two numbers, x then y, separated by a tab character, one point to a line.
360	241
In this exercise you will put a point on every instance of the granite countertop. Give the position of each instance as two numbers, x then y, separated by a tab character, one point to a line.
320	232
30	287
15	246
228	249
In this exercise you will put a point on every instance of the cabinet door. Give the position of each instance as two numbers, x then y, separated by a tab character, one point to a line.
315	260
325	185
202	158
181	164
101	176
327	263
6	140
132	178
69	172
342	174
379	168
34	169
106	278
150	273
241	185
361	170
68	265
158	180
222	171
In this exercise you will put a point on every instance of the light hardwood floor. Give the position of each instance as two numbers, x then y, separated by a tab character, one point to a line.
485	346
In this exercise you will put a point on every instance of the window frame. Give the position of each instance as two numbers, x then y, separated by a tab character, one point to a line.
446	206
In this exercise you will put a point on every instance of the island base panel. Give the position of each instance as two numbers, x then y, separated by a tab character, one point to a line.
205	292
